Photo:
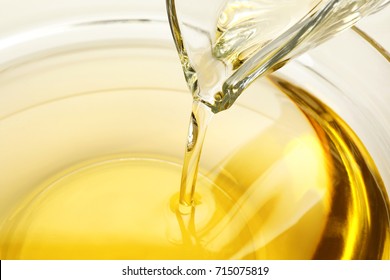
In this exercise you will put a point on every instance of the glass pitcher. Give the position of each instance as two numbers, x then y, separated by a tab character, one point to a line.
225	45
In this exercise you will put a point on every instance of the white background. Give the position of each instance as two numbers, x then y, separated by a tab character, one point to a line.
112	270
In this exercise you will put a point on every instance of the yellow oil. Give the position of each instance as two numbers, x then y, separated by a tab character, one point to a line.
115	208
